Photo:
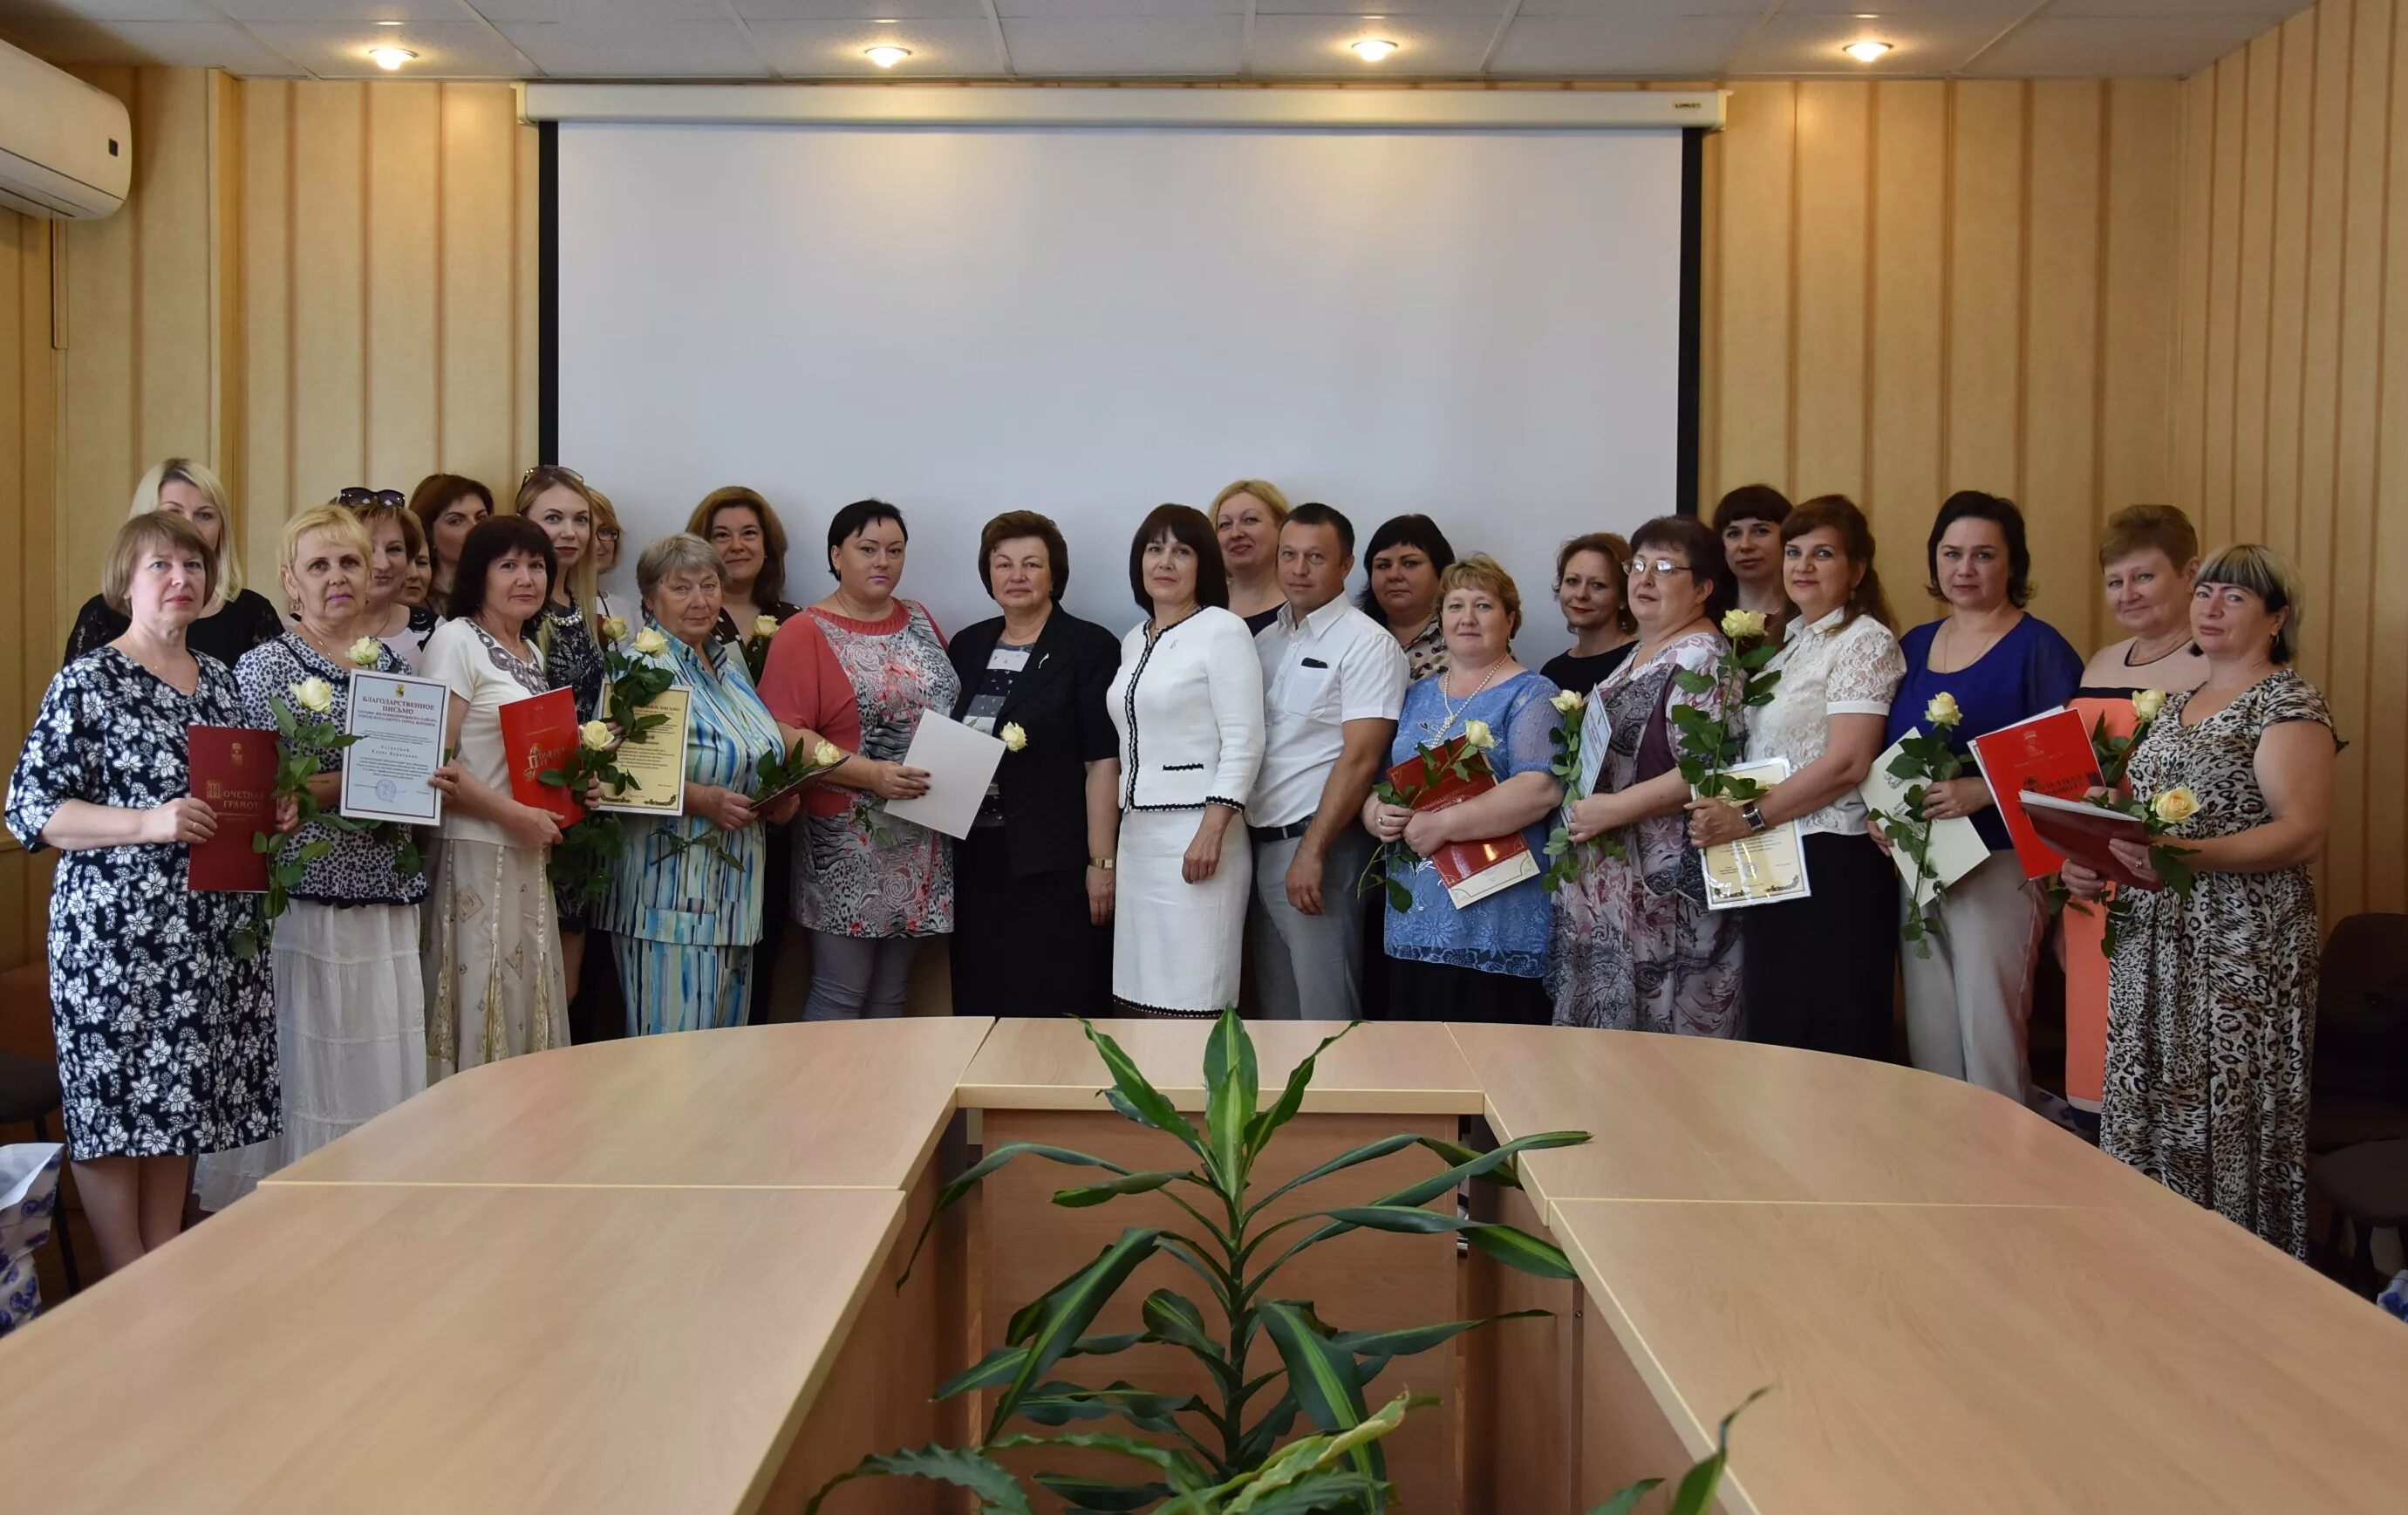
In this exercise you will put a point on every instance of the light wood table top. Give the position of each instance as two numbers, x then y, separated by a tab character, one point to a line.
2000	1359
1382	1067
371	1349
1692	1119
841	1103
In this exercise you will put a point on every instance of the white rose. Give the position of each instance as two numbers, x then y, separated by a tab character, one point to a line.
314	694
1477	736
828	754
2148	703
365	652
595	735
1943	711
2175	805
614	629
1569	701
651	643
1014	738
1743	625
765	627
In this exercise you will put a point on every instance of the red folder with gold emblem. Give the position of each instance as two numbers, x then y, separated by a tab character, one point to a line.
2048	754
232	771
541	735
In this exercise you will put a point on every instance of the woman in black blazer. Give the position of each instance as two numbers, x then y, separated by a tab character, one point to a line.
1033	880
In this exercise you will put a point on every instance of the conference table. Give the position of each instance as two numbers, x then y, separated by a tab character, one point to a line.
669	1275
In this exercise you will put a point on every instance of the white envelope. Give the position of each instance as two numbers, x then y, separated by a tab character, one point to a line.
1956	849
960	763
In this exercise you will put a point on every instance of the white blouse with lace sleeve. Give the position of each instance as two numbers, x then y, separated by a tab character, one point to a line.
1826	669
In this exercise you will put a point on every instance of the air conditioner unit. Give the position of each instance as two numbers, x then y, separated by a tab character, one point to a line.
66	148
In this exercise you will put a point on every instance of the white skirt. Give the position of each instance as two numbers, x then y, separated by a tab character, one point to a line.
1176	945
350	1033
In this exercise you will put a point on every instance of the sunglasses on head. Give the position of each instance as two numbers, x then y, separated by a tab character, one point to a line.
361	497
550	470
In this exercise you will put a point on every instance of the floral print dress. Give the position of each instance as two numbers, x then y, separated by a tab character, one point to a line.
167	1040
2212	999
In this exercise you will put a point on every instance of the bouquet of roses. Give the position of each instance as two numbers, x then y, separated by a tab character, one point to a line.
1565	854
1923	760
1393	862
631	680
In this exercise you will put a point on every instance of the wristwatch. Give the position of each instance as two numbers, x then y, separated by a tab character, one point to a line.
1752	814
1103	863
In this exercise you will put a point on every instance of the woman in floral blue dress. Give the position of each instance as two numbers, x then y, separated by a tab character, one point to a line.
167	1039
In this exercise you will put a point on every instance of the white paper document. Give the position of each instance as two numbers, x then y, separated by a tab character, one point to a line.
1956	849
960	763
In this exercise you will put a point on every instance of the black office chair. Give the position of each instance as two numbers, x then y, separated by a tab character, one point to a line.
2358	1082
29	1091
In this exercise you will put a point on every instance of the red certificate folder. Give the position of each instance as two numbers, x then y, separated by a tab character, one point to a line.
2081	831
232	771
1471	870
539	733
2048	753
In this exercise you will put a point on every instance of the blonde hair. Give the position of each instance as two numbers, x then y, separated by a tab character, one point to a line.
1261	489
142	530
1481	571
2267	574
336	521
583	589
228	577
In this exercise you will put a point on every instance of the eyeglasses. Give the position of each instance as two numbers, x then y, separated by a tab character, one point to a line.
1642	567
607	533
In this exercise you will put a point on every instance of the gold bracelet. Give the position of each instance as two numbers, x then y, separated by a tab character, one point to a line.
1103	863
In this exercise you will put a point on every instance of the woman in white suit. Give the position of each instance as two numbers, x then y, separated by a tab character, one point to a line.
1188	705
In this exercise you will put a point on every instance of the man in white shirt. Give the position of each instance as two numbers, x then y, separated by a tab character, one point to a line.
1333	681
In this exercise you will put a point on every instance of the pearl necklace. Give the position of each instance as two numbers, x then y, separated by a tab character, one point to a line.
1454	710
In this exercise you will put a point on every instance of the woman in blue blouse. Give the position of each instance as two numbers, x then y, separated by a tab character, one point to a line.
685	905
1967	1002
1486	961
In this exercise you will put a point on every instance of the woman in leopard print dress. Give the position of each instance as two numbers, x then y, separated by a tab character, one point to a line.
2212	999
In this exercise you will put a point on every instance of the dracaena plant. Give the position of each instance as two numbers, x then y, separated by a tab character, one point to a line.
1211	1453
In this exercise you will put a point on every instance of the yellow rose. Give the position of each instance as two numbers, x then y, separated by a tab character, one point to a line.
1477	736
1942	712
365	652
2148	703
1743	625
651	643
2175	805
594	734
1014	738
314	694
614	629
765	627
1569	701
828	754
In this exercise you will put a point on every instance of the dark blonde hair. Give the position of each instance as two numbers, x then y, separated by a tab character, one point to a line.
148	529
1481	571
1615	549
2267	574
2136	528
769	585
1840	513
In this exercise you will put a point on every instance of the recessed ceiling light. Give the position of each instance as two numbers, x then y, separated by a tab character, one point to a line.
391	58
1865	52
1373	48
887	55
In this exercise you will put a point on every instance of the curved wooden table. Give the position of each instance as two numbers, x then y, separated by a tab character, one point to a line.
659	1275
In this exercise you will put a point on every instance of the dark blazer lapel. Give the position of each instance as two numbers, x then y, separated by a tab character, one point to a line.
1048	660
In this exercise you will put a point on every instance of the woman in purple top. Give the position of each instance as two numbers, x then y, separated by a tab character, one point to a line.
1967	1002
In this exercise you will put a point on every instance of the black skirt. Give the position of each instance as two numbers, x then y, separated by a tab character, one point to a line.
1025	945
1442	991
1819	972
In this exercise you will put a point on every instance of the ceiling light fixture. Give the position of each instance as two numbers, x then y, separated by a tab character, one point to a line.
1373	48
887	55
1865	52
388	58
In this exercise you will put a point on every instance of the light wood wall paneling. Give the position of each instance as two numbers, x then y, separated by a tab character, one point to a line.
2198	178
2385	632
2254	273
329	147
2231	121
2061	413
1990	189
267	306
2320	375
2138	208
1834	204
400	283
2286	320
1758	283
103	378
478	395
1910	343
28	493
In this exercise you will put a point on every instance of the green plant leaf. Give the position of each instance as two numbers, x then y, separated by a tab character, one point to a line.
1369	1152
1324	1489
1184	1471
1522	1251
1628	1500
999	1490
1409	1340
952	1193
1696	1490
1300	1078
1173	1318
1070	1309
1148	1102
1231	1091
1059	1404
1323	1377
1096	1194
1102	1495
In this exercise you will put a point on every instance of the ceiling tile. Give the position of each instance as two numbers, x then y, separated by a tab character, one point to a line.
108	10
173	44
1493	10
833	48
1634	9
1119	9
855	10
347	12
1687	47
1907	12
446	50
66	40
598	10
1315	47
2197	10
1186	45
2091	47
637	49
1923	45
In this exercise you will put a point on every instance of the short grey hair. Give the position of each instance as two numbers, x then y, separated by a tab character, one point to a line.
683	552
2267	574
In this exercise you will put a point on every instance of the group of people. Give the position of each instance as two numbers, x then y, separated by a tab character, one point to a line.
1186	815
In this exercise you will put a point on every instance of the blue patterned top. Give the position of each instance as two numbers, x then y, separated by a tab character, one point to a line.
1507	932
692	895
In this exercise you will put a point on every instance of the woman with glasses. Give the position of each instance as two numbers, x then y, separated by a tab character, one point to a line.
1635	947
236	620
448	507
1592	575
557	500
395	542
606	537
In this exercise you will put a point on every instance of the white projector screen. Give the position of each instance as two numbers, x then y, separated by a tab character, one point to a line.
1480	326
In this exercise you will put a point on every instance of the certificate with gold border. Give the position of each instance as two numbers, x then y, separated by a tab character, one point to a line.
655	762
1762	870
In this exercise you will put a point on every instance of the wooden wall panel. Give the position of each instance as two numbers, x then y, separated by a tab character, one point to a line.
1988	191
29	376
1834	251
1757	277
329	145
1910	270
2140	204
2060	426
400	283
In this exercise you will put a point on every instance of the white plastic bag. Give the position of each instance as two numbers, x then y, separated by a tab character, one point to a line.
29	1197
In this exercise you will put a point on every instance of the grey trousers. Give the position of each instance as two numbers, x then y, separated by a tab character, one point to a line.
1969	1002
859	978
1308	967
